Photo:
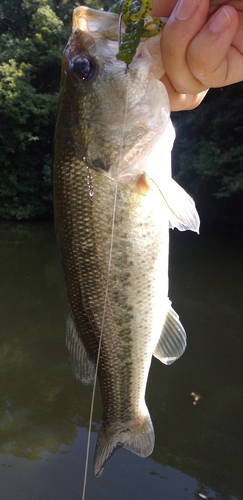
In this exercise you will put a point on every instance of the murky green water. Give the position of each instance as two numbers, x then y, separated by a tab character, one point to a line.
44	412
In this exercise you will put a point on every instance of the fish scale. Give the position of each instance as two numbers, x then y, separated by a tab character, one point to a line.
112	216
87	248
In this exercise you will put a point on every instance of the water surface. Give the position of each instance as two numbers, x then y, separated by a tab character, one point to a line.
44	412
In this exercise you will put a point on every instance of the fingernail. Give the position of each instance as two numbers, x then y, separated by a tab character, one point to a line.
220	22
185	9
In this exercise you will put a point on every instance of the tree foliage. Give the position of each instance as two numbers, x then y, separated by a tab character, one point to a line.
208	148
209	145
208	153
33	34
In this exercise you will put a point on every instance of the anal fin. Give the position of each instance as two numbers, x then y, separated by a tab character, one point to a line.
172	342
82	366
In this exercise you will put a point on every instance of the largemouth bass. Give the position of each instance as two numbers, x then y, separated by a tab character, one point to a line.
114	200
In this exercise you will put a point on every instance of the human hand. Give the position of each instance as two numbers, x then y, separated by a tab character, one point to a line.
201	46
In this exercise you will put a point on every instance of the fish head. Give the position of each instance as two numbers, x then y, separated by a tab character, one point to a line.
109	115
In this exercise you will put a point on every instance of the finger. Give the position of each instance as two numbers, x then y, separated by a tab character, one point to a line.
224	66
186	21
182	102
163	8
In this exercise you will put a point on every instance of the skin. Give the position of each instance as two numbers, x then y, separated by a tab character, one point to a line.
196	56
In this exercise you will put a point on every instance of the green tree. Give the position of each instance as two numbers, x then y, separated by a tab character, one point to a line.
208	153
33	34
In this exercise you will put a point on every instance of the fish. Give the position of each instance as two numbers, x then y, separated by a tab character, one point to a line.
114	202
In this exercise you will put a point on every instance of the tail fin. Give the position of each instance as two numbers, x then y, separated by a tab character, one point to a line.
139	439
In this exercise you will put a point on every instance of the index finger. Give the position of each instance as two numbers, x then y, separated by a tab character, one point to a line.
217	38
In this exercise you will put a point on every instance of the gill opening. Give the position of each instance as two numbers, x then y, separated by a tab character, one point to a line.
126	73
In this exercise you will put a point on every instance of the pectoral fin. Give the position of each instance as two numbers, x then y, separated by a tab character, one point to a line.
82	366
181	208
172	342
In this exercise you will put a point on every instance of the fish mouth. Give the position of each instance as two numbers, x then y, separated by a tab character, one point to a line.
96	21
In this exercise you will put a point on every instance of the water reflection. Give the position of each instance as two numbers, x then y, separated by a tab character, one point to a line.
44	411
40	405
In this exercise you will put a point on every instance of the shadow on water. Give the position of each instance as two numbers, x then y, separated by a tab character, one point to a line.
44	412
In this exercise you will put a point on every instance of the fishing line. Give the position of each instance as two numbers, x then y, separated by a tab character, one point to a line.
119	30
126	74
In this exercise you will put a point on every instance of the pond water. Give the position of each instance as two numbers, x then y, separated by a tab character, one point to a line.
44	411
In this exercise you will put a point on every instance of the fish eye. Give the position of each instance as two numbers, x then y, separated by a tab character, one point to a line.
84	66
